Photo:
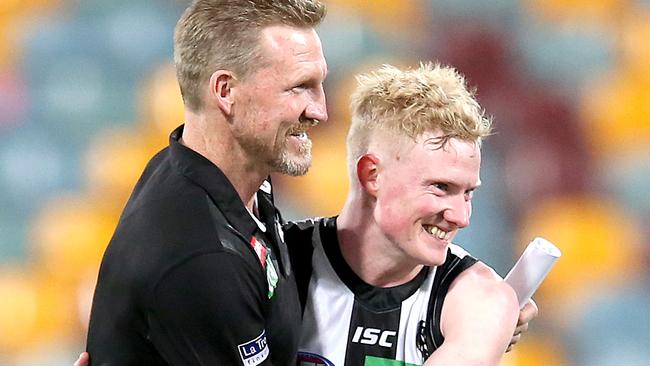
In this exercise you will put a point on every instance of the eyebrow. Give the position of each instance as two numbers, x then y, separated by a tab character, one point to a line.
307	77
453	184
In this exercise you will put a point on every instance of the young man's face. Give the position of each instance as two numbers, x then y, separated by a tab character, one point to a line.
277	104
424	197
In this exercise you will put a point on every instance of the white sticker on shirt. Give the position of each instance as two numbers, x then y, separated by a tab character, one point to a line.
255	351
266	187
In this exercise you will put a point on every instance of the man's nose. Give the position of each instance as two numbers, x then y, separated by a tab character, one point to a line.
317	107
458	212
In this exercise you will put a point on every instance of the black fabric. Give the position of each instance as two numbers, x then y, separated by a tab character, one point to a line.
374	307
374	298
372	333
298	236
431	336
179	283
301	237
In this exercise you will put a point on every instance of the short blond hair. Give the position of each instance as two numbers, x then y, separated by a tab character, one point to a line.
224	34
410	102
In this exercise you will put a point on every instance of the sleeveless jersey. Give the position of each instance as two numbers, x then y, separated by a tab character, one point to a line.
347	322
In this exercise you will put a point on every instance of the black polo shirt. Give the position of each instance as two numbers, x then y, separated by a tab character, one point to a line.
185	279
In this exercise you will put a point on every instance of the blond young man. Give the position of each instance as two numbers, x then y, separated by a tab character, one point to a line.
384	284
197	272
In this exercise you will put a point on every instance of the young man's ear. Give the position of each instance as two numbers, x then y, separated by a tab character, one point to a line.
367	173
221	90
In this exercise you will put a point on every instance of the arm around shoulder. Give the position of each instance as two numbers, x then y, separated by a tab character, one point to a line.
478	318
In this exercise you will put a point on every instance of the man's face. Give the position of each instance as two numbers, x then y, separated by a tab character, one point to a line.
280	101
424	197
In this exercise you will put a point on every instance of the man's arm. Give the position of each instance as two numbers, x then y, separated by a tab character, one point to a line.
478	319
204	308
199	312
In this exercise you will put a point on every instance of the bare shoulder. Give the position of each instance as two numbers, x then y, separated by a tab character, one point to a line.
479	315
480	308
478	297
481	282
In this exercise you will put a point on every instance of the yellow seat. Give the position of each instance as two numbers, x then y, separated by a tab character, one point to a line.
115	160
160	103
69	236
616	111
390	18
34	310
600	244
606	11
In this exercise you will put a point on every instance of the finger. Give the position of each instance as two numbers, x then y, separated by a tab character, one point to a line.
516	338
528	312
521	328
82	360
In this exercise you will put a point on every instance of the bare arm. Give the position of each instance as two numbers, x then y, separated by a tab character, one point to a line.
478	319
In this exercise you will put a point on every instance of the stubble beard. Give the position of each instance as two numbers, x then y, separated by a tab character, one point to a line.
296	165
278	157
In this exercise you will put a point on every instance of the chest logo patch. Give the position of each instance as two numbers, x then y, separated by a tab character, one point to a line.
372	336
255	351
260	250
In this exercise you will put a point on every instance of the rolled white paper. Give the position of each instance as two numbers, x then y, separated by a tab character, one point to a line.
531	268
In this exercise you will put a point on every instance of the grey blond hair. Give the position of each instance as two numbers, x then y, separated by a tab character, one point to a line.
410	102
224	34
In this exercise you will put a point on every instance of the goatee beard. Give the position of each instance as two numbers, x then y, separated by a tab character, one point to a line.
294	166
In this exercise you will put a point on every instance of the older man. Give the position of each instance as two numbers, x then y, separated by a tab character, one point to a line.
197	272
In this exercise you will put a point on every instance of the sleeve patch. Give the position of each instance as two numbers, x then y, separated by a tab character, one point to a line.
255	351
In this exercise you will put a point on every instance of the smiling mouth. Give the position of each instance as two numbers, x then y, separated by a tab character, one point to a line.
300	131
299	134
437	232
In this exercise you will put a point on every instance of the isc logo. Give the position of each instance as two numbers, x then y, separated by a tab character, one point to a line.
373	336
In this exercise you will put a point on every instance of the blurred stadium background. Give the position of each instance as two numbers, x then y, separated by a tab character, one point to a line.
88	94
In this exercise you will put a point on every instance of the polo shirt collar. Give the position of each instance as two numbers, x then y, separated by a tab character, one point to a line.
208	176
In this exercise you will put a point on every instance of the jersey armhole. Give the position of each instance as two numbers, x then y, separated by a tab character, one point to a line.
445	275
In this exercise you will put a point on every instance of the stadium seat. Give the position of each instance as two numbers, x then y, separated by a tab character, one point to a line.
601	247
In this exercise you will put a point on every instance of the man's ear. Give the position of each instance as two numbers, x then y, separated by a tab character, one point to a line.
368	173
221	93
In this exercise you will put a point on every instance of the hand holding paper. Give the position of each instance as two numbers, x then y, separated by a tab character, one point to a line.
531	268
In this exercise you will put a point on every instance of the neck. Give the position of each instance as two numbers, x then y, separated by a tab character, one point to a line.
368	252
210	136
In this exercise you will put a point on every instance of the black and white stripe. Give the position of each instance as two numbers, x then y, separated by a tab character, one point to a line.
345	319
